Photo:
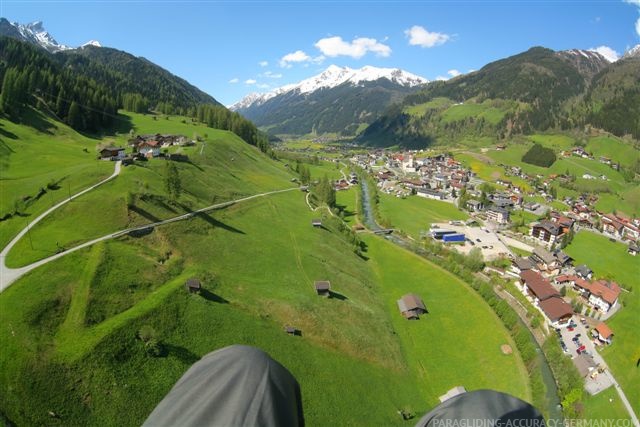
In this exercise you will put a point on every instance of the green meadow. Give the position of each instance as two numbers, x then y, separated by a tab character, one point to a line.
69	330
610	260
414	214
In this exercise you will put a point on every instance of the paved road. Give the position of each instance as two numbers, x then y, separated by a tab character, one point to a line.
10	275
6	274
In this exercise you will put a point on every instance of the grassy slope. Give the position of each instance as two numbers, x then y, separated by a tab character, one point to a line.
349	343
605	405
609	259
31	157
440	347
613	148
224	168
415	214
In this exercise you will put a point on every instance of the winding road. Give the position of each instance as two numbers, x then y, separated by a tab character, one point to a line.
9	275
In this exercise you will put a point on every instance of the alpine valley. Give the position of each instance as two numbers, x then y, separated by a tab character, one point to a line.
398	244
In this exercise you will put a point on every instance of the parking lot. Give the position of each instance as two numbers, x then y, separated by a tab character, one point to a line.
582	339
486	241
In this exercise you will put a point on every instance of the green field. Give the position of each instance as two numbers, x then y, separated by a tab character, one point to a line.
613	148
434	104
605	405
415	214
485	111
610	260
221	168
33	157
69	329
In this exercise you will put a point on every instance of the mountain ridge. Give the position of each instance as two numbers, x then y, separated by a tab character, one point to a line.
331	77
35	33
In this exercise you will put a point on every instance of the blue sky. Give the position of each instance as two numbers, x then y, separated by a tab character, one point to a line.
229	49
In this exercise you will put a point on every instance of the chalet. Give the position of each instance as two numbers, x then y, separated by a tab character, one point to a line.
584	272
193	285
316	222
504	182
500	147
605	334
604	295
564	280
601	295
498	215
112	153
323	288
149	149
633	249
537	286
411	306
544	259
531	206
557	311
562	258
474	205
430	194
521	264
546	232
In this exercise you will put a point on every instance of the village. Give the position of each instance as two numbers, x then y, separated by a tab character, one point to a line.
573	299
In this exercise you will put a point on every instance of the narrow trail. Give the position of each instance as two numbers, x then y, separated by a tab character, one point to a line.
10	275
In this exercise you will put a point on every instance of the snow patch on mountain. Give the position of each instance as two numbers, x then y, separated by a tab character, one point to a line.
634	52
35	33
332	77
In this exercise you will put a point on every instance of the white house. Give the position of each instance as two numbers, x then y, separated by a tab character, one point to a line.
149	149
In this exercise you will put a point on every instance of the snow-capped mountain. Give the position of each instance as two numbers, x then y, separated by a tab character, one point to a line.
338	100
332	77
588	62
634	52
35	33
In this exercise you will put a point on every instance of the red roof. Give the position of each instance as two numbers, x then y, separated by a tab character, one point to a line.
556	308
604	331
538	285
608	291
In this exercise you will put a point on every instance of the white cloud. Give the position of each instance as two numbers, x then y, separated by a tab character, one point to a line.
454	73
263	86
635	3
607	52
359	47
263	63
234	80
297	56
250	82
272	75
419	36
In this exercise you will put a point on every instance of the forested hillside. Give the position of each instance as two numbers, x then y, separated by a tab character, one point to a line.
85	88
536	90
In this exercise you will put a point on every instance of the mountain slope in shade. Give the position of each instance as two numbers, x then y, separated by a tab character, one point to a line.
338	100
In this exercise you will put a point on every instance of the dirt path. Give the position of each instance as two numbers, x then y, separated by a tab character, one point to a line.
10	275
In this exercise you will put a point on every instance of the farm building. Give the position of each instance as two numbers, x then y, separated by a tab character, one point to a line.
557	311
316	222
323	288
604	333
193	285
112	153
411	306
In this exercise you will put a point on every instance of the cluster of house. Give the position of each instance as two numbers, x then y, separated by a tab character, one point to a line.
437	177
543	275
581	152
147	146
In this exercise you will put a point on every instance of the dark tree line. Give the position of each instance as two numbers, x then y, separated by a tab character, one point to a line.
30	77
86	93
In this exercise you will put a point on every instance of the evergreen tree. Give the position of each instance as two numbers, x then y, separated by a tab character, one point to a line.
74	117
173	185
